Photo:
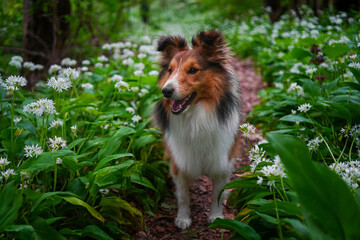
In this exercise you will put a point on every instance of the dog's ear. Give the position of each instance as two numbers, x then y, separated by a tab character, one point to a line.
169	46
212	46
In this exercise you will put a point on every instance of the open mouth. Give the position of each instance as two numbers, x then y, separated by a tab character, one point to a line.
178	106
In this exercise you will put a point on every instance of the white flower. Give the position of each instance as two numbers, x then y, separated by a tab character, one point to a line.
141	55
135	89
87	86
247	129
102	58
130	110
69	73
84	69
3	162
138	73
59	84
57	143
40	107
104	192
13	83
74	129
15	64
353	57
6	174
139	66
17	120
296	88
121	86
136	118
68	62
33	150
349	172
293	111
59	161
86	62
106	46
29	65
304	107
355	65
116	78
260	180
54	68
128	62
56	123
39	67
153	73
25	175
311	70
145	39
99	65
314	144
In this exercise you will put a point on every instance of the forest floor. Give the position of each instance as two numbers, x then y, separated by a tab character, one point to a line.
162	225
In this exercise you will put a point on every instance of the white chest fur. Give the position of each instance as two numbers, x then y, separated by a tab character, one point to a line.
200	145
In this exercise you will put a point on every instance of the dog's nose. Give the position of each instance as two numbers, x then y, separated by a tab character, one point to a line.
168	92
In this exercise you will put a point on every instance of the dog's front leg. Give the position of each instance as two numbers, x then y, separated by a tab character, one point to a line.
183	219
216	208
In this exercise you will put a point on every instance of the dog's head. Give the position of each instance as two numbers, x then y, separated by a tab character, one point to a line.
191	75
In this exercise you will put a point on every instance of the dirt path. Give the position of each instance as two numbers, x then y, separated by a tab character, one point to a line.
162	225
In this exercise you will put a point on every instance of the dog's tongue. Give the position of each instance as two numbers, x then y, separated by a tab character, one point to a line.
177	104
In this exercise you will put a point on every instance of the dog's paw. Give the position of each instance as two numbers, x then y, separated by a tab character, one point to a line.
183	222
215	216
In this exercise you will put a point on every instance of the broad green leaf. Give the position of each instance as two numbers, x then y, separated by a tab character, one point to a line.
112	174
95	232
298	118
142	181
92	211
299	53
10	204
321	192
267	218
144	140
300	229
46	195
120	203
44	231
22	232
114	142
241	228
108	159
42	162
336	50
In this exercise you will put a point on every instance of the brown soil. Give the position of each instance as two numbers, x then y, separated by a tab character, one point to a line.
162	225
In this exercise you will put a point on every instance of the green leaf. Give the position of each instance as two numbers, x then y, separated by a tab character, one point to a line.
114	142
44	231
336	50
120	203
42	162
10	204
299	53
356	73
108	159
22	232
112	174
298	118
95	232
321	192
92	211
267	218
43	196
242	229
299	228
144	140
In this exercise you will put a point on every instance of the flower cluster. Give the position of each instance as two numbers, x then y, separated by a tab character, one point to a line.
56	123
59	84
314	144
13	83
247	129
32	151
349	172
56	143
40	107
16	61
304	107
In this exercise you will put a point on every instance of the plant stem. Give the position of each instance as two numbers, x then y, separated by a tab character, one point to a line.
55	175
332	155
12	130
352	144
277	215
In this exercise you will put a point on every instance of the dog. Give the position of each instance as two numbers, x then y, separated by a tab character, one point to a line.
199	115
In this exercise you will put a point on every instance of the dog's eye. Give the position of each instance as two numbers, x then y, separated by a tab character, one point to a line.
170	71
193	70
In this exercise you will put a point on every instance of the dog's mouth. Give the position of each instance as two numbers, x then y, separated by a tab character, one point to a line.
178	106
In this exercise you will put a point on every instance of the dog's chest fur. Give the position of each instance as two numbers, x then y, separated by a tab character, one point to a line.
199	143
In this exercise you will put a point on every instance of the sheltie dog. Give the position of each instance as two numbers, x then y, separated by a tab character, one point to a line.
199	115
